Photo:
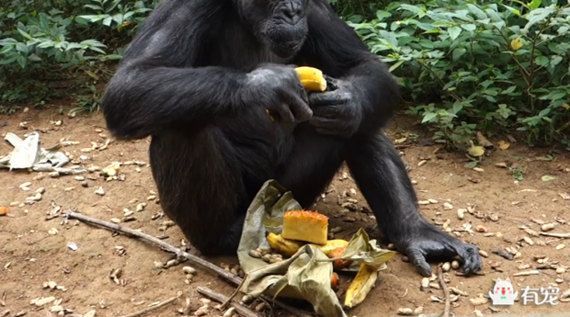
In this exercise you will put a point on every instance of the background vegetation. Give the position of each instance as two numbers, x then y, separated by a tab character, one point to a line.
465	66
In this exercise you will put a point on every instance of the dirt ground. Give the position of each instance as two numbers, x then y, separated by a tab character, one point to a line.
35	250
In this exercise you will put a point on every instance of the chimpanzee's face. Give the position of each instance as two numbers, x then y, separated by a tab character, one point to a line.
279	24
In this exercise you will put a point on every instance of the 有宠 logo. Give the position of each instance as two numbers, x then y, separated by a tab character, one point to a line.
503	293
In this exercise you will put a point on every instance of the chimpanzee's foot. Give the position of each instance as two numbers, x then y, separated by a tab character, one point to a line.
428	243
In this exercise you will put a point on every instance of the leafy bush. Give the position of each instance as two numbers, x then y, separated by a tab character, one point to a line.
471	67
43	43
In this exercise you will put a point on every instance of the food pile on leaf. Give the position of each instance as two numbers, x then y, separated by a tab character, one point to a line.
285	252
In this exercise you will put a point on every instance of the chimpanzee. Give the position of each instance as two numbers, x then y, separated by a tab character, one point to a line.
211	81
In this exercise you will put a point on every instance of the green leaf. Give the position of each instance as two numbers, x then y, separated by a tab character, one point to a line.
480	14
458	52
534	4
454	32
429	116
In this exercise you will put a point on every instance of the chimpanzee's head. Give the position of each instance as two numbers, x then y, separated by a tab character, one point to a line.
279	24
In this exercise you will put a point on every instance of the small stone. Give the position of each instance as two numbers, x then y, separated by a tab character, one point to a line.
230	312
405	312
481	228
52	231
480	300
446	266
447	206
260	307
560	246
189	270
100	191
483	253
478	313
425	283
434	285
418	310
254	254
455	265
461	213
561	269
548	226
202	311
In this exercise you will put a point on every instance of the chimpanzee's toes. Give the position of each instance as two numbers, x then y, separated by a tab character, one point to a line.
469	254
418	259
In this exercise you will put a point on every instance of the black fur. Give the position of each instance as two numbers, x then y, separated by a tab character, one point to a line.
208	80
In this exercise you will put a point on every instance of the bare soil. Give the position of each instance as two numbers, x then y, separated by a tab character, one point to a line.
35	250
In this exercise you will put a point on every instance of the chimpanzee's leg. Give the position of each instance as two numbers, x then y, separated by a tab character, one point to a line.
382	178
200	187
311	166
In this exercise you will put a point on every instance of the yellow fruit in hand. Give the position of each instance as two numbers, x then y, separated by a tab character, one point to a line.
311	78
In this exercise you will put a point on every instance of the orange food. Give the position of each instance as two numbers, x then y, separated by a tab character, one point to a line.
3	211
339	263
335	281
306	226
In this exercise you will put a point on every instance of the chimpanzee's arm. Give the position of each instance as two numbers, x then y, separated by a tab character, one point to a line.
157	85
335	48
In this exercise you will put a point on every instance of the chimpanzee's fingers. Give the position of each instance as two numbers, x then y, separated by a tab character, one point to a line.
329	98
283	112
469	254
332	83
418	259
300	109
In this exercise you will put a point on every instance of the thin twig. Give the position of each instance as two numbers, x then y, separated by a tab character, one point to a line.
447	308
556	235
232	296
151	308
220	298
227	276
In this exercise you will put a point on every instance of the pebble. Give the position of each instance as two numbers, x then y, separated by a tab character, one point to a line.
461	213
483	253
425	283
254	254
189	270
478	313
560	246
455	265
548	226
478	300
405	311
481	228
230	312
202	311
447	206
446	266
561	269
100	191
260	307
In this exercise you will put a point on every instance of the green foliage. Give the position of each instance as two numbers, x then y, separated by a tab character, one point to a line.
471	67
46	42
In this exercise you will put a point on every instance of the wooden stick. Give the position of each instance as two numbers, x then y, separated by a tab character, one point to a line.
447	308
556	235
232	296
151	308
220	298
227	276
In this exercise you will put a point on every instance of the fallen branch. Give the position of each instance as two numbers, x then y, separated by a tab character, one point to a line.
447	307
153	307
220	298
556	235
227	276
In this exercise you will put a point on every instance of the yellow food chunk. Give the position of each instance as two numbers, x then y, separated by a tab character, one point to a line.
332	245
311	78
305	226
361	285
282	245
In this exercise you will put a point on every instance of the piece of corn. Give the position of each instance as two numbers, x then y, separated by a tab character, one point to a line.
305	226
311	78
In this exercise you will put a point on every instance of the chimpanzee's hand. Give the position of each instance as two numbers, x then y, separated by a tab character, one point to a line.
277	89
337	111
428	243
